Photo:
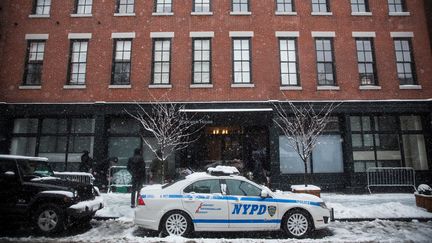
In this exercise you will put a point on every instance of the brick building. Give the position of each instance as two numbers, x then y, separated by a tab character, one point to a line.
69	69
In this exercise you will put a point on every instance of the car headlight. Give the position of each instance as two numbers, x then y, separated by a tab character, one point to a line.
323	205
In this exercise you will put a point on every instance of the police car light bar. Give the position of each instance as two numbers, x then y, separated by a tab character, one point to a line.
223	170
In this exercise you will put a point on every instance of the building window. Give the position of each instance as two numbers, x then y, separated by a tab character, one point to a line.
366	61
325	62
320	6
241	61
161	61
41	7
24	136
163	6
35	57
202	6
397	6
122	62
405	62
201	67
288	61
125	6
359	6
284	6
240	5
78	62
84	6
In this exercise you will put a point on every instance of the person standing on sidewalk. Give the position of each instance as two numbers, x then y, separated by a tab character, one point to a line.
136	167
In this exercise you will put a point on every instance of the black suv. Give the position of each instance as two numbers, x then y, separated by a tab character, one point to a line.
30	192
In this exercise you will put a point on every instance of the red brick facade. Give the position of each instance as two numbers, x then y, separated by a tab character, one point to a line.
15	24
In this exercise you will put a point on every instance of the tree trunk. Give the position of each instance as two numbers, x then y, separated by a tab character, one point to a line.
305	174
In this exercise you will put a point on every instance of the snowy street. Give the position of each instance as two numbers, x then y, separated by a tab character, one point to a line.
122	228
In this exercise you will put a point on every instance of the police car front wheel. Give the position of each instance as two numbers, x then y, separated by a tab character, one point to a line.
297	223
176	223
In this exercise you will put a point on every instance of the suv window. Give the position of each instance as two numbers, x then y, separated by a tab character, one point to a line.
242	188
204	186
33	169
7	166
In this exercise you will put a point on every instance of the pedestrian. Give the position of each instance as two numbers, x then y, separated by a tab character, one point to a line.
158	169
86	162
136	167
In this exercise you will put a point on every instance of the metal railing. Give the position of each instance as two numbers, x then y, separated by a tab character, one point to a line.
390	176
82	177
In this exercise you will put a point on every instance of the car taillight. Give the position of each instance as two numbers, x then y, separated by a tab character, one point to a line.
141	201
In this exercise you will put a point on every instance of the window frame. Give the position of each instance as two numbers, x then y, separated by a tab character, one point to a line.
240	3
233	40
71	62
404	81
194	6
295	39
357	4
153	73
163	3
127	4
319	4
284	3
114	62
209	61
39	63
85	5
375	81
44	6
392	6
331	39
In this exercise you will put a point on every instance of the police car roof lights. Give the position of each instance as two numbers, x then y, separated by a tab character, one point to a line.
223	170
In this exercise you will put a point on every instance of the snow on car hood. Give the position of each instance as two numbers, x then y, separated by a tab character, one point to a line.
297	196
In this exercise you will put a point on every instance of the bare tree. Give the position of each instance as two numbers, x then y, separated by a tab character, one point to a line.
302	127
171	127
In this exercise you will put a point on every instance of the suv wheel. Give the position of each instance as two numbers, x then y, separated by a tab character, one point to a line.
49	219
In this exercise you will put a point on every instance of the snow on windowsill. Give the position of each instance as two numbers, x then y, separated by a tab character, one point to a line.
399	14
81	15
162	14
286	13
361	13
321	13
126	86
30	87
240	13
410	87
74	87
36	16
201	13
124	14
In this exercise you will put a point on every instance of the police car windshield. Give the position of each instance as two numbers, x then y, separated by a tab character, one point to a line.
35	168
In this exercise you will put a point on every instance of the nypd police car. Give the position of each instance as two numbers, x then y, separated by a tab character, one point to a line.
221	200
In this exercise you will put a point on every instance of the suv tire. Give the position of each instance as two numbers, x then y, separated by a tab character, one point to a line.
49	219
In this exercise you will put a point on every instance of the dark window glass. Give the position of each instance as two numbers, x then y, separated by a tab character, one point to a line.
78	62
325	62
163	6
320	6
242	188
204	186
405	62
366	61
202	6
122	62
359	6
240	5
284	6
241	60
35	57
42	7
288	61
161	61
396	6
201	61
125	6
84	6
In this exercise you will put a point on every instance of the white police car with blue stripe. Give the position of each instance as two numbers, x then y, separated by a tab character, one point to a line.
220	200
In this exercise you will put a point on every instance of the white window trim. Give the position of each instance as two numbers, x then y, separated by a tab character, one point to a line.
160	86
30	87
399	13
123	35
327	87
287	33
322	13
36	36
323	34
240	85
410	87
194	34
241	33
238	13
363	34
75	15
124	14
201	13
201	86
401	34
119	86
162	14
36	16
369	87
285	13
361	13
79	35
293	88
69	86
161	34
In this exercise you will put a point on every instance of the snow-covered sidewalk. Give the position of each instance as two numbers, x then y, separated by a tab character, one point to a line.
346	206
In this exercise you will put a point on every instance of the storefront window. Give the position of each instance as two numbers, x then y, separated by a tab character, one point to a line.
24	137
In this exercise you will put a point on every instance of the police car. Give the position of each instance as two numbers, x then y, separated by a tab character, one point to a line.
221	200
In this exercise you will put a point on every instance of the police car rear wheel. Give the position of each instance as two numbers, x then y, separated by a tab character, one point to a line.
297	224
177	223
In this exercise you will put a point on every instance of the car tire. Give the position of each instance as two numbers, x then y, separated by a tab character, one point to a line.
297	223
176	223
49	219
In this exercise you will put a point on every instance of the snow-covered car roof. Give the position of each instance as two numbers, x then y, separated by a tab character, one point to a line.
8	156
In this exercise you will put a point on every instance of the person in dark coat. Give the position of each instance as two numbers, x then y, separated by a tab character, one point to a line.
86	162
136	167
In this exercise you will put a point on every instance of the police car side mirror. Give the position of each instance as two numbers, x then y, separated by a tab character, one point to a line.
264	194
